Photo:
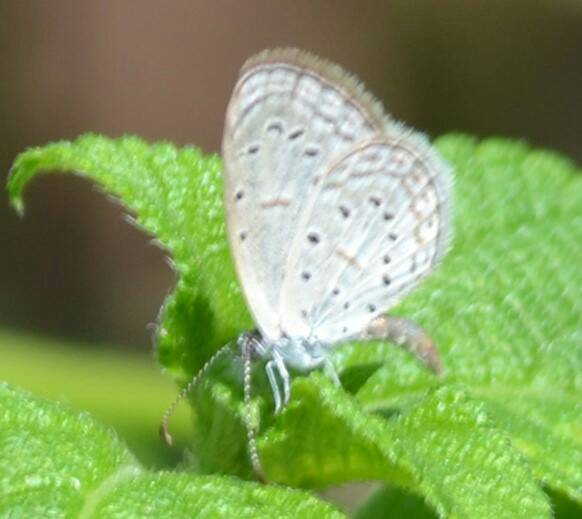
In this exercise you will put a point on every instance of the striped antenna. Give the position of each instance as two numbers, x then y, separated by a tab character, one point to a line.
164	432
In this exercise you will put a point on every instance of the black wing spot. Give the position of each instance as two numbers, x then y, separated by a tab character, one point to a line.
372	308
344	211
345	329
239	194
346	305
388	216
314	238
375	201
306	276
253	149
276	127
393	236
386	279
243	236
335	291
386	259
295	134
311	152
304	313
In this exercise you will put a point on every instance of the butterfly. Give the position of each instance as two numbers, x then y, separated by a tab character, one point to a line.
334	213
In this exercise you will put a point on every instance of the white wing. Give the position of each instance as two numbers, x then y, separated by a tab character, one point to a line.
289	117
378	224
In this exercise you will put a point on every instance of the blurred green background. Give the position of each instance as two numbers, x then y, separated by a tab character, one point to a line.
79	286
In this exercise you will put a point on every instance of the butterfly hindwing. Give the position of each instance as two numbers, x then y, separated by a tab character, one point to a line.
376	227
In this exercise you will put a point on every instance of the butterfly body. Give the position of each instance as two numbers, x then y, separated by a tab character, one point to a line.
298	353
301	354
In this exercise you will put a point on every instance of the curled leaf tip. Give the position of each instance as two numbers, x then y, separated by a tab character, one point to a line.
18	205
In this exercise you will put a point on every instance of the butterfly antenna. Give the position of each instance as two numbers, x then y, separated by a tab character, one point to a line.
164	432
248	414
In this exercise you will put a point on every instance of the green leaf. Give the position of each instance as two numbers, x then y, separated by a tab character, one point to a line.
58	463
504	309
445	448
50	459
124	391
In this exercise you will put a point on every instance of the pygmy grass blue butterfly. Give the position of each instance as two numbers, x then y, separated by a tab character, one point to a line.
334	213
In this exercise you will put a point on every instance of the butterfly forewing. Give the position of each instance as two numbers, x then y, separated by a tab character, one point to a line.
289	118
375	227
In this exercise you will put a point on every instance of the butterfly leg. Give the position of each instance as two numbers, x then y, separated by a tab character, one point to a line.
272	376
331	372
407	335
285	377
